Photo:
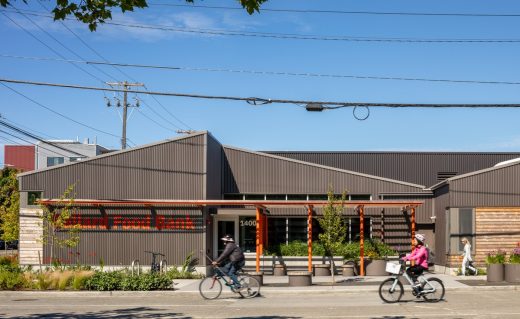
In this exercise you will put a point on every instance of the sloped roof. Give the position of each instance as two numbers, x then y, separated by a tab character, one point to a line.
114	153
286	159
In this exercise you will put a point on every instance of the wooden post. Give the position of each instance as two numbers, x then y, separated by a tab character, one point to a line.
412	218
383	225
361	241
258	238
309	237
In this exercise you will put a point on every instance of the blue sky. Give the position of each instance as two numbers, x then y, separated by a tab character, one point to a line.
278	126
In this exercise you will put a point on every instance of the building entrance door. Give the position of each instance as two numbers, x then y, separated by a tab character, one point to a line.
224	227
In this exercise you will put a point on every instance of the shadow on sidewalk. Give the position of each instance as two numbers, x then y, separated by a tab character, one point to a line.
127	313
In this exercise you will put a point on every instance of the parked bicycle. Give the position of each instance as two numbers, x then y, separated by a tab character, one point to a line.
391	290
211	287
156	266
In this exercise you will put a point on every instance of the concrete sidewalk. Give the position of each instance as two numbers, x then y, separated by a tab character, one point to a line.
279	284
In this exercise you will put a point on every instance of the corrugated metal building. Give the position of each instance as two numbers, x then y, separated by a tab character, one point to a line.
198	167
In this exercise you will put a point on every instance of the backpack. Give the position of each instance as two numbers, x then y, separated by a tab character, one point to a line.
431	257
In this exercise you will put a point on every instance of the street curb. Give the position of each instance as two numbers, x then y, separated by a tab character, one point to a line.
266	290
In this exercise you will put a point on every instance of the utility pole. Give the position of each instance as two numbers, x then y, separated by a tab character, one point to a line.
125	85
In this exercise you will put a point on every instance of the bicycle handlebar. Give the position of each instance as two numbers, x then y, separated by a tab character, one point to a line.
154	253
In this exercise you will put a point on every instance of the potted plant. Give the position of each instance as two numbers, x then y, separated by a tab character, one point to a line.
512	268
377	255
495	266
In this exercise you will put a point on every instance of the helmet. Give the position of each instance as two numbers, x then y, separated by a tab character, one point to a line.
227	238
420	237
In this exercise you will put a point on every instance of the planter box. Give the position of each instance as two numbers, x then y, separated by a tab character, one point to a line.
495	272
321	270
375	267
348	270
512	272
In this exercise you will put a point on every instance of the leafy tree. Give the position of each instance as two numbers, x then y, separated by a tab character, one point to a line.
333	225
57	231
93	12
9	204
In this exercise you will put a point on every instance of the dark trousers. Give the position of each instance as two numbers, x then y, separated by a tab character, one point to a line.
231	269
415	271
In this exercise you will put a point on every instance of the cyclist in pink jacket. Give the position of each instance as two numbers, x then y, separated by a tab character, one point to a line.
420	256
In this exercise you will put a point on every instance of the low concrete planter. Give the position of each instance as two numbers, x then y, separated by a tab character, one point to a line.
299	278
375	267
512	272
495	272
279	270
348	270
258	275
321	270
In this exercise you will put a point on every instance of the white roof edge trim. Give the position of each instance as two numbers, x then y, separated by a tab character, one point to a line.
324	167
482	171
514	160
113	153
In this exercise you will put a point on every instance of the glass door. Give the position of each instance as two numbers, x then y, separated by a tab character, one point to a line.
224	227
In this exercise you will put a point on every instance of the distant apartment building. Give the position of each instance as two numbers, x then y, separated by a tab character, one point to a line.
50	153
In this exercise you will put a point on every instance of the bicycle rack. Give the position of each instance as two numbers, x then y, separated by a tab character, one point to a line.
162	265
135	263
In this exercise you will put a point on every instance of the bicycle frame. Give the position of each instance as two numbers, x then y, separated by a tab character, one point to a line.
423	281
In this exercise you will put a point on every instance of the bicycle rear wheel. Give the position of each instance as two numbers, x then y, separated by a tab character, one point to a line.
433	290
391	290
210	288
250	286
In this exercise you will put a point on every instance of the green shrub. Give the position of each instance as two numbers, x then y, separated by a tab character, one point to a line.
514	259
80	279
146	281
350	251
174	273
11	280
105	281
496	257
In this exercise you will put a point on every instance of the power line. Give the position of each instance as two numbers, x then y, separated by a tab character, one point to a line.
24	132
256	72
462	14
58	113
29	129
48	47
292	36
57	53
261	101
26	141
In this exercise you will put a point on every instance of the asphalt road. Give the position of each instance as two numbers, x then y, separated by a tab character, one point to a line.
458	304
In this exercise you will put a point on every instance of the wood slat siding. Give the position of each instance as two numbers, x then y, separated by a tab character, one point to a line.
30	233
496	228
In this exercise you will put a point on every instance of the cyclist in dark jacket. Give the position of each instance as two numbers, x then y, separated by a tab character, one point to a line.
233	259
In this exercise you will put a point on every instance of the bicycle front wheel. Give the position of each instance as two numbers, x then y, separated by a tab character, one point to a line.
210	288
391	290
250	286
433	290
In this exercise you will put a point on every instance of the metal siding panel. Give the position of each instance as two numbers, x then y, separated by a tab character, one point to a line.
412	167
120	247
496	188
213	168
172	170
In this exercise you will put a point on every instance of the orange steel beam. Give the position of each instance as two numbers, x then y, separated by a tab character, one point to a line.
258	239
362	240
255	203
309	237
264	224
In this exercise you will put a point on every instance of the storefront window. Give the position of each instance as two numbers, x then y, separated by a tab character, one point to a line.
276	231
247	230
297	229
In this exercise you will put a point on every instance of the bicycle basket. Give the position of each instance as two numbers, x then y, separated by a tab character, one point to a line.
393	268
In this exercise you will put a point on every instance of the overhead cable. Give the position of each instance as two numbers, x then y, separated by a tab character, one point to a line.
290	36
58	113
257	72
325	104
447	14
